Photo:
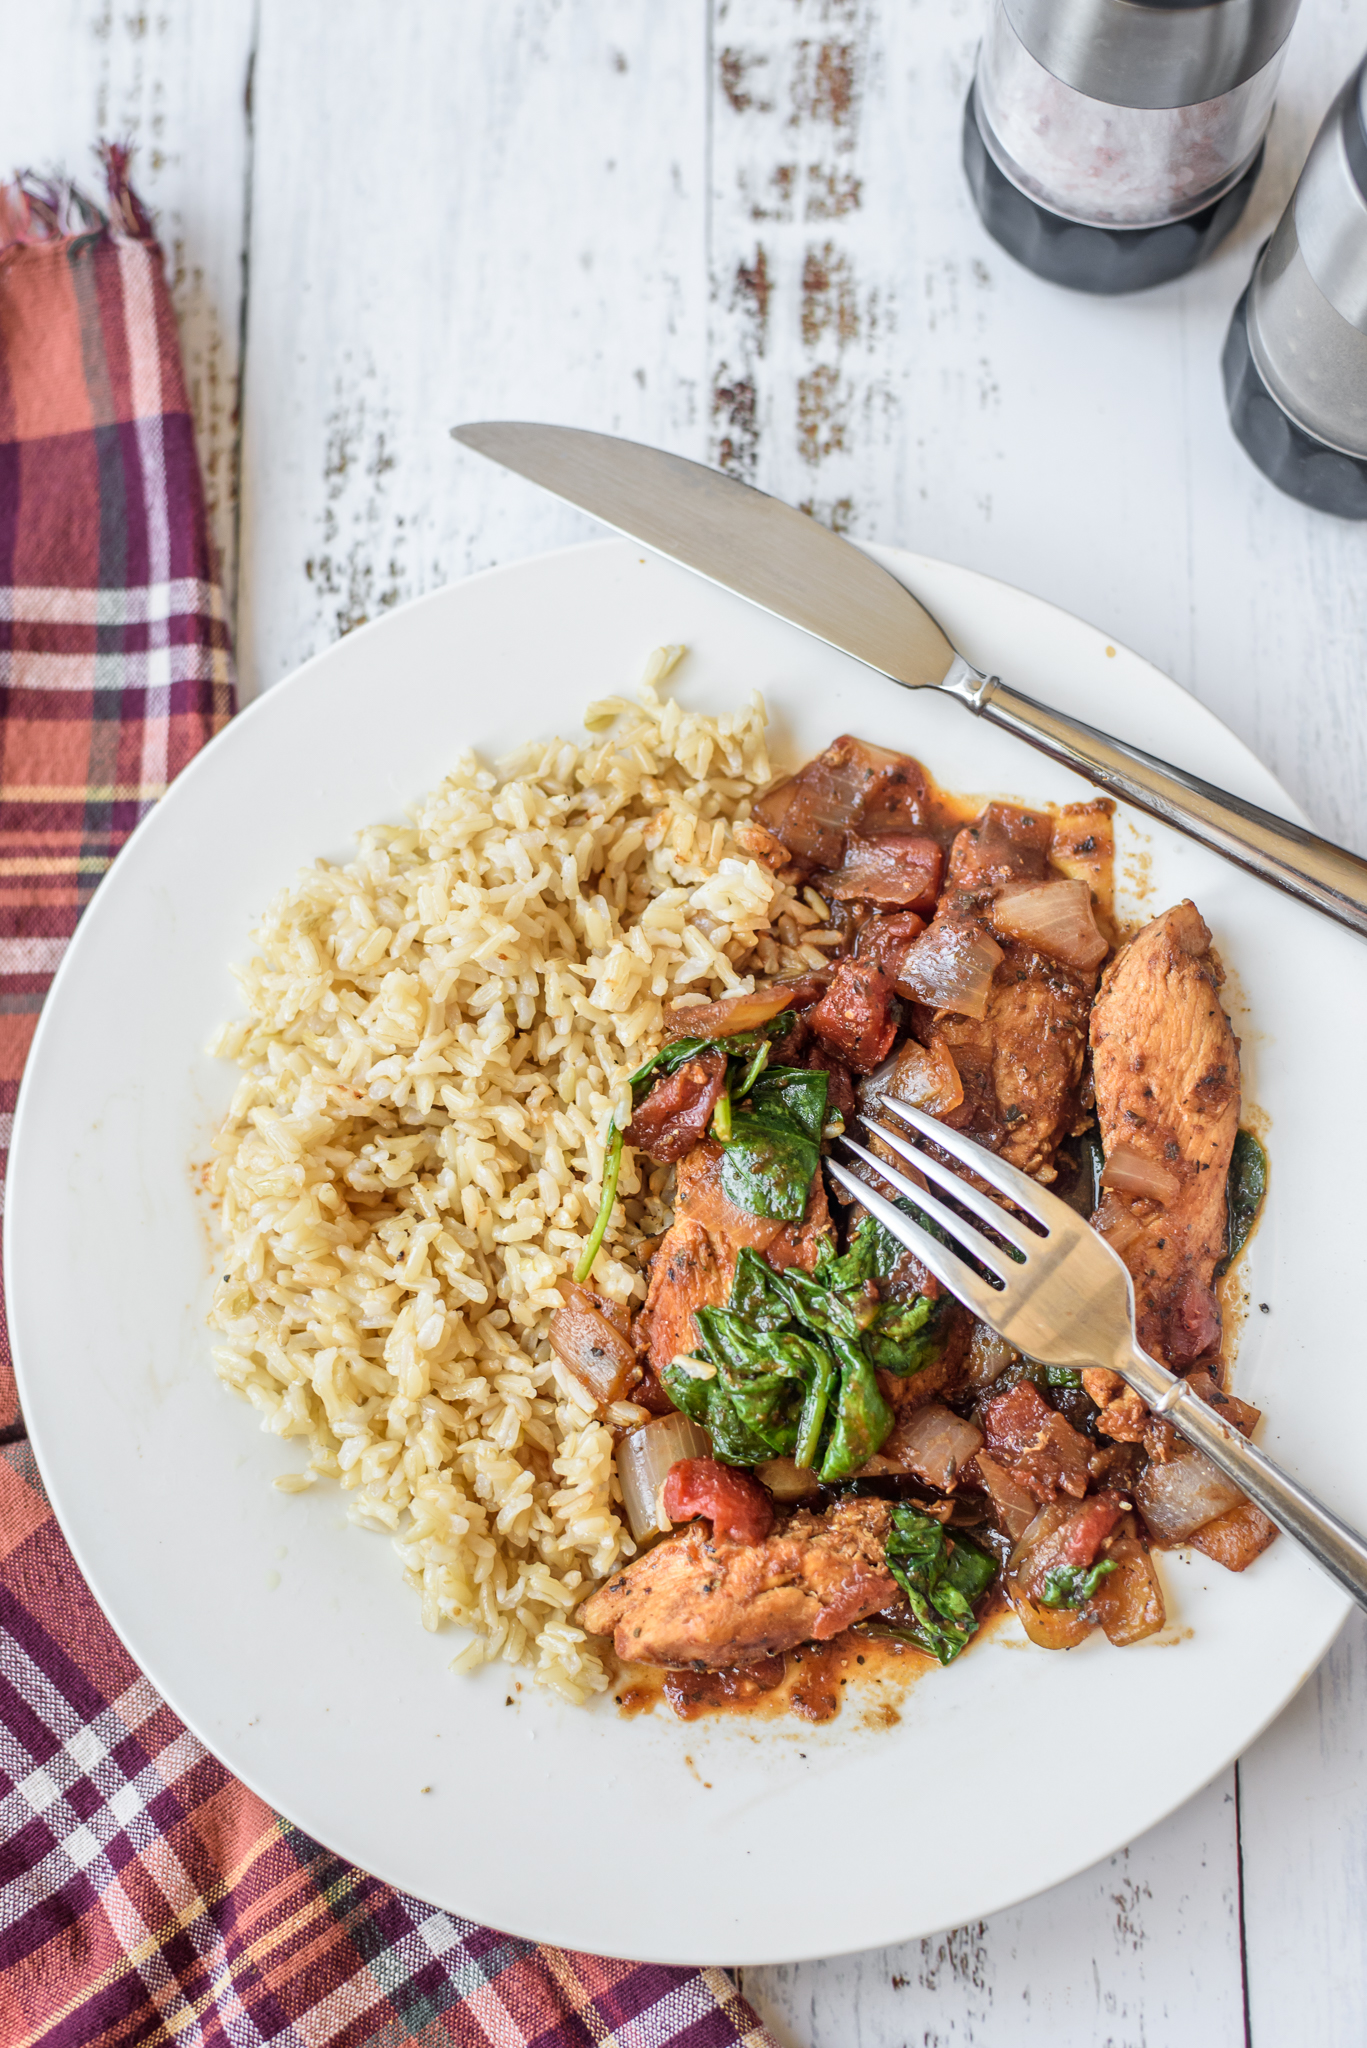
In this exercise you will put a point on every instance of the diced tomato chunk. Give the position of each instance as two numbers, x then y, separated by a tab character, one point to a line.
885	939
736	1505
1088	1529
1016	1421
1042	1450
675	1115
853	1015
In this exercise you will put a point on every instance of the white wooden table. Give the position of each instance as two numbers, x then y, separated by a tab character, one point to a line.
739	228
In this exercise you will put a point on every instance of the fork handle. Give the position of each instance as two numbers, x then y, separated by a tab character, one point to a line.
1335	1547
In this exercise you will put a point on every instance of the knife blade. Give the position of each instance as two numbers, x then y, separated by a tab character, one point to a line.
752	544
779	558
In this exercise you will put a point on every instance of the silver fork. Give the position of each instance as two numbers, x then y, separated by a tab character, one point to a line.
1066	1299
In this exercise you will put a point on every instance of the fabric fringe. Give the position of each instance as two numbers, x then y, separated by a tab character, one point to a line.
36	209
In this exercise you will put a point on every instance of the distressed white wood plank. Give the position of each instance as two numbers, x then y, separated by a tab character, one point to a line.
1304	1814
173	80
1141	1951
487	210
834	181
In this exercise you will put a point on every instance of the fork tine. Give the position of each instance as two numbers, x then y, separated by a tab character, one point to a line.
996	1218
947	1267
1027	1194
973	1242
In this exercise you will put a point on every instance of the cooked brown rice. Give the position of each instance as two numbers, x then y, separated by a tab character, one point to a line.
438	1035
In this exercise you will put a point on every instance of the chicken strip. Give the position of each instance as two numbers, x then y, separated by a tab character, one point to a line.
704	1603
1166	1068
696	1260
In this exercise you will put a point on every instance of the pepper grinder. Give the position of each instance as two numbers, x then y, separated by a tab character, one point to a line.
1111	144
1295	358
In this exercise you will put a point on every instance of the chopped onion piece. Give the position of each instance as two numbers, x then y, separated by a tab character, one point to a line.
786	1479
1117	1222
1129	1601
729	1016
988	1357
894	871
1129	1172
594	1350
643	1464
1053	917
1182	1496
932	1443
1015	1507
1050	1628
927	1078
951	967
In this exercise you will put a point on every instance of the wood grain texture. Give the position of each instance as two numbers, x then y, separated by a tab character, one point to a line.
739	228
1303	1809
1143	1949
489	210
173	80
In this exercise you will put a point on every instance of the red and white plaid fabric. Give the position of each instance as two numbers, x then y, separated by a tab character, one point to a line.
146	1895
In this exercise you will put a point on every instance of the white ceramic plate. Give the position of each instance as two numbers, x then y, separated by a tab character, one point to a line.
287	1639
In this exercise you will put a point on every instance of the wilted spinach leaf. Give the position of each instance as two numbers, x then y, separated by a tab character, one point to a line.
752	1405
812	1420
818	1306
755	1292
708	1403
906	1336
1072	1585
1244	1191
942	1577
611	1168
863	1419
873	1255
767	1167
795	1095
743	1047
774	1148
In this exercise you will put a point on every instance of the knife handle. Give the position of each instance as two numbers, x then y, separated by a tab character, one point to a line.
1327	877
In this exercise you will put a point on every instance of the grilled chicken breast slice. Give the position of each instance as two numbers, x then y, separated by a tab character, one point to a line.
1165	1063
700	1603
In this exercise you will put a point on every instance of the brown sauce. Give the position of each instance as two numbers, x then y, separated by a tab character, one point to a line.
809	1683
1083	844
813	1683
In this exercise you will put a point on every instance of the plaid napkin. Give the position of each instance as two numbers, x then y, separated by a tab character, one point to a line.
146	1895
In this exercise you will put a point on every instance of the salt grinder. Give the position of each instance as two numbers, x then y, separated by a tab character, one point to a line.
1295	357
1111	144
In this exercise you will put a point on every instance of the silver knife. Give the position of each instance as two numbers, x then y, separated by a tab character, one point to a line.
780	558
